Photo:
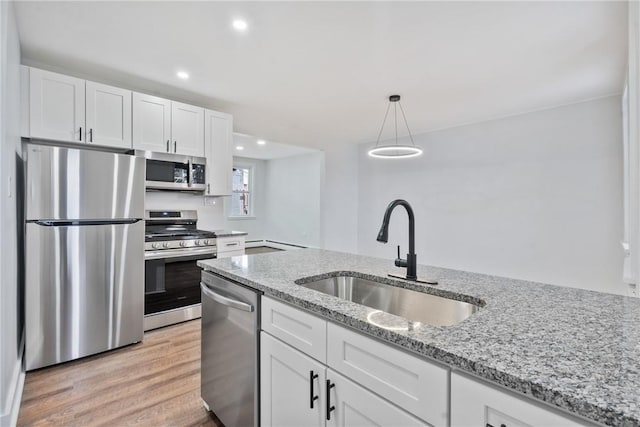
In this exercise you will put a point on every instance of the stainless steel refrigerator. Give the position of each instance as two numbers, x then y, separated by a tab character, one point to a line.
84	244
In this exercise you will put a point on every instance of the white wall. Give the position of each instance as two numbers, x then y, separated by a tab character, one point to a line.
256	224
11	375
339	202
293	194
536	196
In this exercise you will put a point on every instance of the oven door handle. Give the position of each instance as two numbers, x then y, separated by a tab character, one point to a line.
180	253
229	302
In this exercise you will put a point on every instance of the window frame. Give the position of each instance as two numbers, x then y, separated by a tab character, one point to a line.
250	191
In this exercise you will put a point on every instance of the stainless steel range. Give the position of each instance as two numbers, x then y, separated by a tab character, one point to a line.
173	245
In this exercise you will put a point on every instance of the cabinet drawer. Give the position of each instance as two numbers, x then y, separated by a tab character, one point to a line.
412	383
230	244
474	403
297	328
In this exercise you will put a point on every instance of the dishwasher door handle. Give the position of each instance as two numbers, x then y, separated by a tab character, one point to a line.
225	300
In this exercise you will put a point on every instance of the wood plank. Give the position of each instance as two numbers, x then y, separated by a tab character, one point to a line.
153	383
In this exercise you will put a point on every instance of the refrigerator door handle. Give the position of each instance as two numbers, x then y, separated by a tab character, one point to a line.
77	222
224	300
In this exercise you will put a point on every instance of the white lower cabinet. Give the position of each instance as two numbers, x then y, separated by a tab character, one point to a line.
414	384
289	382
293	392
306	381
475	403
228	247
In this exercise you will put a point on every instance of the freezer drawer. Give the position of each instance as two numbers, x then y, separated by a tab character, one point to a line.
71	183
84	290
230	333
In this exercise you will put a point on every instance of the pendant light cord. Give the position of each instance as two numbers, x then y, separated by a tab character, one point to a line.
383	122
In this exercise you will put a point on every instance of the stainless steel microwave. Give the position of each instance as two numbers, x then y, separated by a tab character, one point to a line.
167	171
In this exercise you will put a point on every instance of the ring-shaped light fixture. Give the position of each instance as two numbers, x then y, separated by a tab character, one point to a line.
395	151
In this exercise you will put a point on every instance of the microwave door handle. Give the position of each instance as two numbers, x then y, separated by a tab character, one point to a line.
190	173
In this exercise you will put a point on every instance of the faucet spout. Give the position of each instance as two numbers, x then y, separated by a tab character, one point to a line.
383	236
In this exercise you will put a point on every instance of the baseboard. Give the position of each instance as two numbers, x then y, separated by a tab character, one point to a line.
15	395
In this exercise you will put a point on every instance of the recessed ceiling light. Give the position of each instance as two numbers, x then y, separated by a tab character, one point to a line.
183	75
239	24
239	147
261	142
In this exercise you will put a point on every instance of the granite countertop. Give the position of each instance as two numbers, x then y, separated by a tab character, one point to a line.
575	349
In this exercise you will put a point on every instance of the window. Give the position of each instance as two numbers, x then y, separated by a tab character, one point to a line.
241	205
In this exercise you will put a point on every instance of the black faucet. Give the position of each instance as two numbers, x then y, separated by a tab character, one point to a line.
383	236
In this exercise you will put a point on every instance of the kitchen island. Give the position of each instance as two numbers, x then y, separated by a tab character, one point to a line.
575	350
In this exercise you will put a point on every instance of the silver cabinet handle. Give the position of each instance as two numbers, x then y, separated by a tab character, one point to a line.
91	135
168	145
80	133
231	244
175	146
224	300
208	188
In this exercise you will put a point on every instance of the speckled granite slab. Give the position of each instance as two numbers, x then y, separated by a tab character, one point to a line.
574	349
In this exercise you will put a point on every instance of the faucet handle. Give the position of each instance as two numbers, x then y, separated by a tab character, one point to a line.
399	262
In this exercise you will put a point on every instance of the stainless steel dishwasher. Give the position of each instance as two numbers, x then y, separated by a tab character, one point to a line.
229	349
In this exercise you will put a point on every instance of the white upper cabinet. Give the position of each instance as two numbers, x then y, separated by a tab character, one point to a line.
64	108
56	106
187	129
151	123
218	139
108	115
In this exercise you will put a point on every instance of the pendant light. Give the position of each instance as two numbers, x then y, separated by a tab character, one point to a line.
395	151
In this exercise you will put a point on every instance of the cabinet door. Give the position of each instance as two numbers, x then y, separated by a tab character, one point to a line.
151	123
288	383
108	115
56	106
357	406
218	138
474	403
187	129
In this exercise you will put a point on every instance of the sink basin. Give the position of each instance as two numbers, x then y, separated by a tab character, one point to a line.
412	305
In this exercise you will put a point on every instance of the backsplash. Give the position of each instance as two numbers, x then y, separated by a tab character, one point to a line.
210	216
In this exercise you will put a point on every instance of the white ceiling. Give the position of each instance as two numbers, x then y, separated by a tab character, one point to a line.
270	150
319	73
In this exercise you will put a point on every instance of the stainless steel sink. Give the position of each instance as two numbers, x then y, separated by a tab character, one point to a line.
412	305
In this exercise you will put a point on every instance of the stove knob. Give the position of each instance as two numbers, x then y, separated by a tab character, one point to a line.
206	242
197	242
165	245
183	244
155	245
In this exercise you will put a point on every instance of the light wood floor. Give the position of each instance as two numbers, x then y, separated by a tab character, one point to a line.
153	383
